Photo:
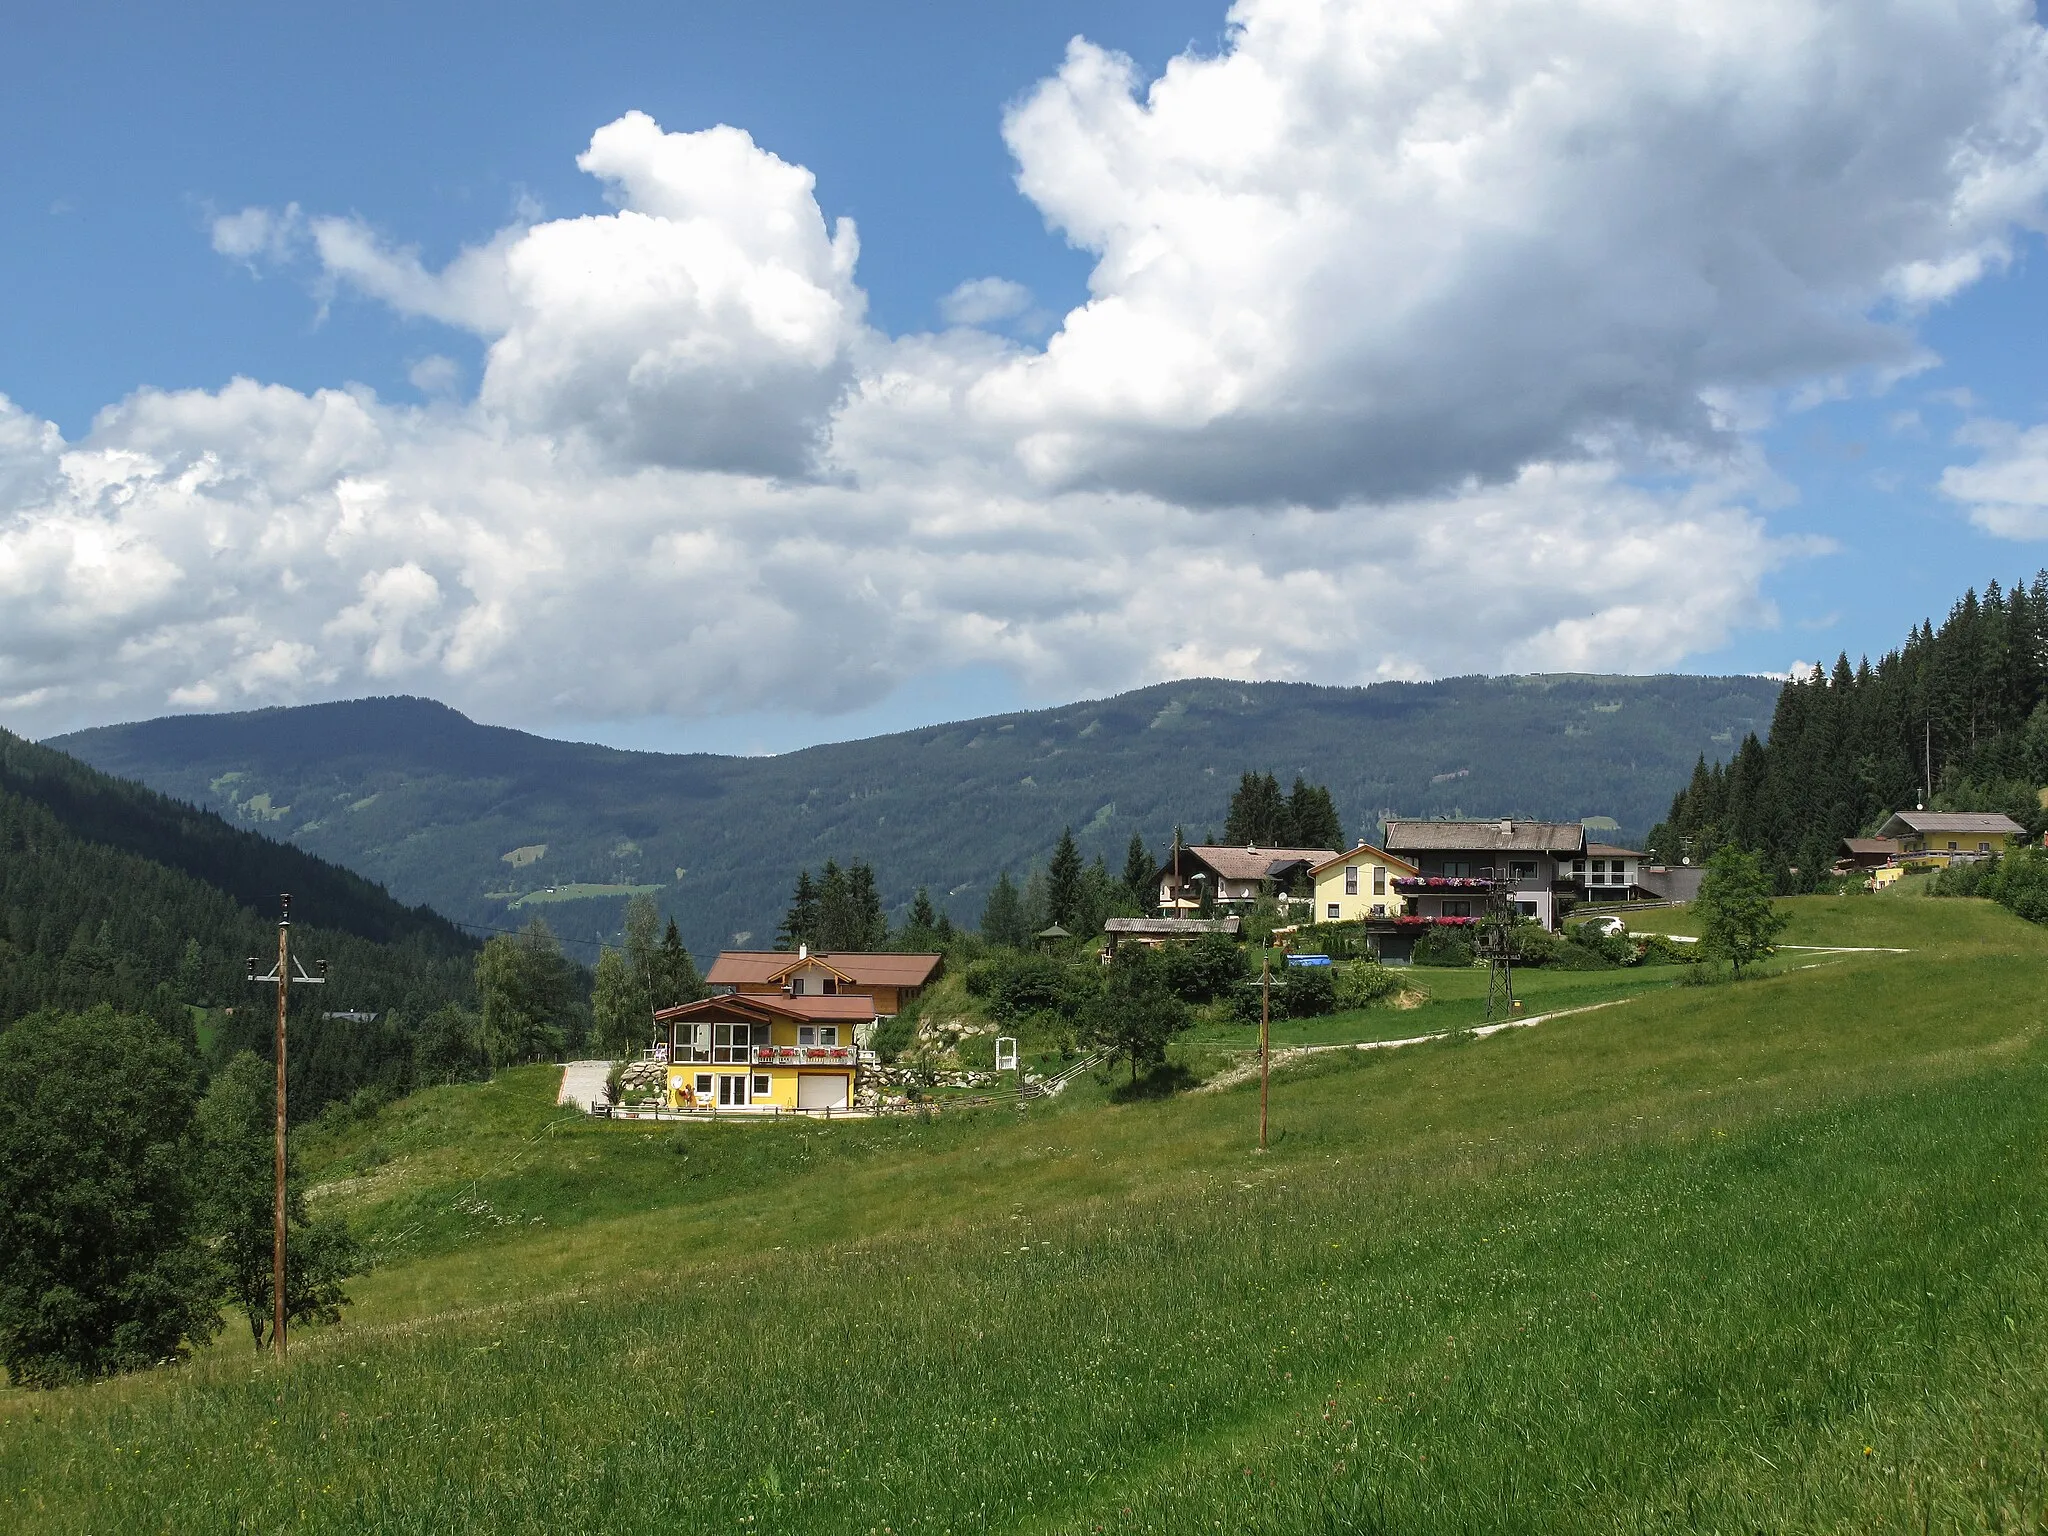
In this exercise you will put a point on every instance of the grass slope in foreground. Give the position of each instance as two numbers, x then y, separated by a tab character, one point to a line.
1753	1257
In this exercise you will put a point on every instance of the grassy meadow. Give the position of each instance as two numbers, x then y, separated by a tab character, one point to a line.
1758	1256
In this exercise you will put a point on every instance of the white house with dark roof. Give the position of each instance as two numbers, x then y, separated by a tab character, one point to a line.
1453	858
1230	875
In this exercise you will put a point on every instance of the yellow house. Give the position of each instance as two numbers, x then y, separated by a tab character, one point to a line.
1941	837
763	1054
1359	885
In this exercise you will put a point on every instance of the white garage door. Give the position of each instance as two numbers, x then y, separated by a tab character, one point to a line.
818	1090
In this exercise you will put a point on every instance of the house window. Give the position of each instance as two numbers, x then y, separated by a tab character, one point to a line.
817	1034
761	1086
1523	870
1525	909
1983	847
1458	869
1351	880
703	1092
1578	866
1599	868
796	986
1951	847
729	1042
1379	879
1379	909
692	1042
1457	909
831	985
1335	911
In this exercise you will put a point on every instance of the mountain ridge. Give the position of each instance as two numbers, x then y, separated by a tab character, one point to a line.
489	824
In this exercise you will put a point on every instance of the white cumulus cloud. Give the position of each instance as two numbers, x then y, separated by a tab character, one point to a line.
2006	490
1392	310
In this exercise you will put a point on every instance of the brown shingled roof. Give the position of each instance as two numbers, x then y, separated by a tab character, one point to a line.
1927	823
1499	835
1251	863
836	1008
740	967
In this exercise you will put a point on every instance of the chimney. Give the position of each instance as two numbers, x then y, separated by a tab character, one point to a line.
1507	829
803	951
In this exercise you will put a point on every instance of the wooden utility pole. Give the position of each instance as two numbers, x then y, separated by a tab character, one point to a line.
1265	1037
283	975
284	987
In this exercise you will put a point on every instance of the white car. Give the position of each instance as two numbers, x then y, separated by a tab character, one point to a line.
1608	927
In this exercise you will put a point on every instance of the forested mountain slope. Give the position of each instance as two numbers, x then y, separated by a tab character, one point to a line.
1960	711
482	822
87	919
98	808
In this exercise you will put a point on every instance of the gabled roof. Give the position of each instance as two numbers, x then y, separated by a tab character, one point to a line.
1171	927
1497	836
1368	849
832	1009
1252	863
757	967
1884	845
1927	823
1612	851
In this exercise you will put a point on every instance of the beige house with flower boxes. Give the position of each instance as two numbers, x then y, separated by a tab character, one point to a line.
1359	886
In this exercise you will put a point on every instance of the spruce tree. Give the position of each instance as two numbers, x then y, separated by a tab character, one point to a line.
1002	916
1258	813
1139	871
867	926
675	980
1312	817
800	922
838	923
1063	884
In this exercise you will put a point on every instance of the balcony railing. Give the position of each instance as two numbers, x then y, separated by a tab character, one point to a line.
804	1055
1440	883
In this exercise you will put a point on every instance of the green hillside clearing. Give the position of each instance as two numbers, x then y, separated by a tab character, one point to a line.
1763	1256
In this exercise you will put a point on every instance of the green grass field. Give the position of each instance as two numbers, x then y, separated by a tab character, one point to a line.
1757	1257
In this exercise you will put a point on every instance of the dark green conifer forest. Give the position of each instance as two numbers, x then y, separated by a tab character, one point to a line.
1956	719
112	894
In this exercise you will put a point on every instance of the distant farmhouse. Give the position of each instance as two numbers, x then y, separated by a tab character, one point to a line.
1227	877
1977	834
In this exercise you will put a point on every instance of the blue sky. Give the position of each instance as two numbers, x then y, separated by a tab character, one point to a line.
130	132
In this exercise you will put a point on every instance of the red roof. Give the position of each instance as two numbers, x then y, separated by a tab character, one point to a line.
834	1009
758	967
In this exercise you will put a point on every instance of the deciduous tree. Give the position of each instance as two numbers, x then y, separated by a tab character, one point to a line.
1738	922
236	1162
100	1270
1135	1016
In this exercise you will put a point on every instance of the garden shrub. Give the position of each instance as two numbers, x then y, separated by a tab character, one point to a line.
2017	881
1016	985
1202	971
1443	949
1363	983
1311	991
1658	949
